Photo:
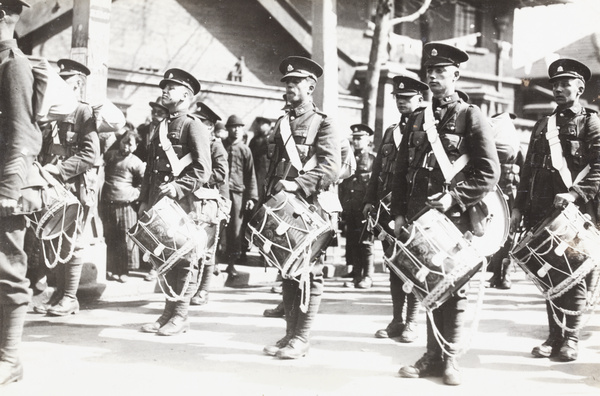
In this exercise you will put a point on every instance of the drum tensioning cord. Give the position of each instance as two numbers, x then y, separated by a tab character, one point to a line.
79	223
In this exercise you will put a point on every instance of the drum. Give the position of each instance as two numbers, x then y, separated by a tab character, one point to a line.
559	252
52	208
498	224
289	233
166	234
435	260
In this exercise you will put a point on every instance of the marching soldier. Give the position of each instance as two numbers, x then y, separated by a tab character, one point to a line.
571	136
184	135
302	133
408	94
359	240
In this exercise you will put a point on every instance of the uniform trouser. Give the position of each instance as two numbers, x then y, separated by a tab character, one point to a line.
359	245
182	278
233	233
298	323
205	275
14	285
448	319
400	299
573	300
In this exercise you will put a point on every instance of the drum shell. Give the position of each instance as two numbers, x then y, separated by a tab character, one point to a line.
305	229
436	259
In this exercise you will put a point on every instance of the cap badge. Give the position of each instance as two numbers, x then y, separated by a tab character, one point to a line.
401	86
170	75
560	69
290	68
434	52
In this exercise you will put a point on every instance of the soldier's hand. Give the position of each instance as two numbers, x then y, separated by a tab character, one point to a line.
515	220
143	208
399	223
440	201
367	209
8	206
52	169
286	185
250	204
563	199
168	190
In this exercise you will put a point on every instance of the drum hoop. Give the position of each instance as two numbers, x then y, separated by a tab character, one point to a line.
52	210
304	247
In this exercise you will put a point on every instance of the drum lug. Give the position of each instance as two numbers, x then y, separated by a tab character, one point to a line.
407	287
542	272
560	249
422	274
267	246
282	228
158	250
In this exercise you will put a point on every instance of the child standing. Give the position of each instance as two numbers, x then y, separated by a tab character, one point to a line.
123	177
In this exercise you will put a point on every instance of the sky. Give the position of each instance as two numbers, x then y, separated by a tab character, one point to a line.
538	31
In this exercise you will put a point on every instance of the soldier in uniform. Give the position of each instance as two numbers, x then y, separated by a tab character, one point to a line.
309	132
243	191
187	134
158	113
409	97
421	182
218	180
359	240
258	146
73	156
21	141
543	187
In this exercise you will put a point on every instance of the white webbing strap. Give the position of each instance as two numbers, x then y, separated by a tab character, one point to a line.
449	169
556	155
290	147
177	164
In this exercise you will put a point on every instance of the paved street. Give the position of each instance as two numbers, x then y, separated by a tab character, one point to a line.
101	352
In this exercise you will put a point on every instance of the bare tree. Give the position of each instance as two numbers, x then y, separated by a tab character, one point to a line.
383	25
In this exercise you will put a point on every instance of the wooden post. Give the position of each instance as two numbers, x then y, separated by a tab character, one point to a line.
89	44
324	52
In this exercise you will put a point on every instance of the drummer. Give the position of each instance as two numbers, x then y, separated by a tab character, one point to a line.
419	182
186	134
303	121
408	93
579	137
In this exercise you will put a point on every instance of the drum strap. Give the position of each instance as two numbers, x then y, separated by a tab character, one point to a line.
556	155
177	164
397	134
290	144
449	169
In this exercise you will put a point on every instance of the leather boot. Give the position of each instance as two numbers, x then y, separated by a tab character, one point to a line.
277	312
368	266
451	371
56	294
272	350
68	304
162	319
295	349
569	347
299	345
12	319
409	333
179	322
429	365
505	282
551	346
393	330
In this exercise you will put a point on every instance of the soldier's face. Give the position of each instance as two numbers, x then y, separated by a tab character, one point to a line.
235	132
407	104
566	90
158	114
442	79
128	145
173	94
360	142
298	90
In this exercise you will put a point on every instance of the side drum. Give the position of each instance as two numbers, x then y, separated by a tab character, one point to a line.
289	233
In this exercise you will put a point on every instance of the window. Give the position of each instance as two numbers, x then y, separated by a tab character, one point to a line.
468	22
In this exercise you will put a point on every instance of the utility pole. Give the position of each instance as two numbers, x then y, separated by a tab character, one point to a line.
325	53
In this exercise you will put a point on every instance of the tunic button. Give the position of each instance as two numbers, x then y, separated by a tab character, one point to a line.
159	145
168	165
157	157
155	171
166	178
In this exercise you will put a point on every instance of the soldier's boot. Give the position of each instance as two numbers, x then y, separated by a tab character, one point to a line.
451	374
201	296
12	319
179	322
368	269
505	282
162	319
396	326
290	309
429	365
569	349
68	304
551	346
55	294
409	334
298	346
277	312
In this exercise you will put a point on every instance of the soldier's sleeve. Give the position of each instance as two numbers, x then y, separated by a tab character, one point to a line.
325	174
400	185
373	185
525	174
588	187
484	166
251	190
88	151
198	172
20	139
220	166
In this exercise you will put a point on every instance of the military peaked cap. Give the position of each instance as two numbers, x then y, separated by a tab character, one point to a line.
568	68
408	86
440	54
206	113
463	95
299	66
158	103
361	130
181	77
12	3
69	67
